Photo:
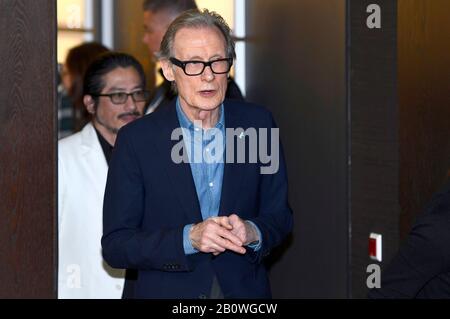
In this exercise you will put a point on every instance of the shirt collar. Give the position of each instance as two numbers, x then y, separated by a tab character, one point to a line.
185	122
106	147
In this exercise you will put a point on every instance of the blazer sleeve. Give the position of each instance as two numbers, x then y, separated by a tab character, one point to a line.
275	219
124	243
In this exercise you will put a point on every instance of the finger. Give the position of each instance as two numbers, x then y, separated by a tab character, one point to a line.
235	220
215	229
230	236
223	221
211	247
216	249
224	243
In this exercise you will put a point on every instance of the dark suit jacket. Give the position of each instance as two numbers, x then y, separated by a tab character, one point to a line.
149	199
421	268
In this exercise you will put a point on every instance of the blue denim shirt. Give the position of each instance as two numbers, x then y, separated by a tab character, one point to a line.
206	152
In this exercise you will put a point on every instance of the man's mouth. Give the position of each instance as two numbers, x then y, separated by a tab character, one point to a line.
207	93
129	117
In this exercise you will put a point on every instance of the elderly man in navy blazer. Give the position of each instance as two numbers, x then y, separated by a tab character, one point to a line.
197	191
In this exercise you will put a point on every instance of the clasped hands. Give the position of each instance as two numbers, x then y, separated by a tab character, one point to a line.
217	234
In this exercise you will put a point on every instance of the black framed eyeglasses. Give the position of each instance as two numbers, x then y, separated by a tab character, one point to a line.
122	97
193	68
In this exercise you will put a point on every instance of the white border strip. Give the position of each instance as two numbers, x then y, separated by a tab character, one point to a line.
89	14
108	23
239	29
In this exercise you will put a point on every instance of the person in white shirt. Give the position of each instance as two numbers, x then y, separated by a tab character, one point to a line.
114	95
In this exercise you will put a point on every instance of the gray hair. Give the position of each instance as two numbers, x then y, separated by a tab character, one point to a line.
197	19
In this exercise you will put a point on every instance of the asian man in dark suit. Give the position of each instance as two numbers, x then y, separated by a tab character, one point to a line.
193	199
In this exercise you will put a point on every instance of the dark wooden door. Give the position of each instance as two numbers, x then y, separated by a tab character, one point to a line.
374	148
296	67
424	103
27	149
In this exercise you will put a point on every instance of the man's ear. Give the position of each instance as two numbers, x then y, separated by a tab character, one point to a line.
167	70
89	103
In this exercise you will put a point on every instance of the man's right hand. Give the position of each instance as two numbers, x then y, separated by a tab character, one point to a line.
214	236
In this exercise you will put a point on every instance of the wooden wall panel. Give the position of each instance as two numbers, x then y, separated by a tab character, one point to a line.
424	103
296	67
373	106
27	148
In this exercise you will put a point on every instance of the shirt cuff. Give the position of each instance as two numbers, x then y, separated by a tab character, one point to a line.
187	245
255	245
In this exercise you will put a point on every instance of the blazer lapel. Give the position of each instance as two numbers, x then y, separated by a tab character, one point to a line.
234	173
95	161
180	175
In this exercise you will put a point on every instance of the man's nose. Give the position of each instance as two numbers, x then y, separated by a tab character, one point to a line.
130	104
208	74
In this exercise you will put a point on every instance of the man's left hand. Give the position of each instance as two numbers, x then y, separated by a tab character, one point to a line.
244	230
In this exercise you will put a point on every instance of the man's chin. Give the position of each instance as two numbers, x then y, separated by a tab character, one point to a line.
98	123
114	130
209	104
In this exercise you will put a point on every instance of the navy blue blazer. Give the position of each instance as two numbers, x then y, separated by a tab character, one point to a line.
421	268
149	199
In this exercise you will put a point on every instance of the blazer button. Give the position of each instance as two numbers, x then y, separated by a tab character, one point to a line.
202	296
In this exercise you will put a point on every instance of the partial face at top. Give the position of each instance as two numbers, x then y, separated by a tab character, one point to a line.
204	92
155	26
66	79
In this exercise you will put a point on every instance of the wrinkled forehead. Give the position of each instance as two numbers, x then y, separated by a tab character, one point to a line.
188	40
